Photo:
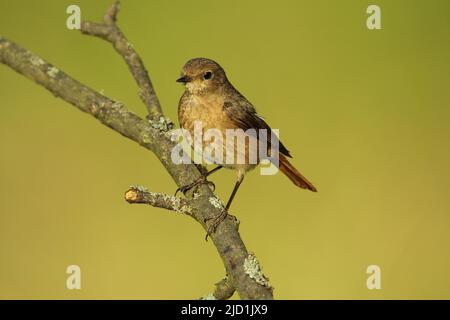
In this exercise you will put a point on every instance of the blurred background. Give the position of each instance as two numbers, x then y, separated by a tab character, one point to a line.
365	114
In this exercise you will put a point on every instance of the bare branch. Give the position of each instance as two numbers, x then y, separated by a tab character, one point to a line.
110	32
139	194
110	16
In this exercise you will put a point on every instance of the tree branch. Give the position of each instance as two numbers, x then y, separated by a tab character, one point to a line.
140	194
110	32
153	135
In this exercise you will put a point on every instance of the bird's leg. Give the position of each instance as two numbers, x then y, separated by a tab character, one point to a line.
236	187
215	221
201	180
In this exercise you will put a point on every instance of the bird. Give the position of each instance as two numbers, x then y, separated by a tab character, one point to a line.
209	97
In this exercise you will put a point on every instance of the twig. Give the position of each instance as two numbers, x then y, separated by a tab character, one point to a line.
110	32
160	200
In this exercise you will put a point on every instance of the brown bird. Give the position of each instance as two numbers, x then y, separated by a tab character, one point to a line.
210	98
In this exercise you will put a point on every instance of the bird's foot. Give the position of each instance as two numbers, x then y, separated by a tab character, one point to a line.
214	222
201	180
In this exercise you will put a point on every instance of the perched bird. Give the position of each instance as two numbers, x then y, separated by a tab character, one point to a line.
210	98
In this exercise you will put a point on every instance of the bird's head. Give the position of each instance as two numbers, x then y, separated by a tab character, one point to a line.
201	75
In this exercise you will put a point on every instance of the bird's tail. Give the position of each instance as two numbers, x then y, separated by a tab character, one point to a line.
296	177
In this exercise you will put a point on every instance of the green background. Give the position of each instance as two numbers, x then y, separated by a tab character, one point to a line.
364	113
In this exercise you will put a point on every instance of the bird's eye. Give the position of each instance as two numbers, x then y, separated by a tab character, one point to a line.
207	75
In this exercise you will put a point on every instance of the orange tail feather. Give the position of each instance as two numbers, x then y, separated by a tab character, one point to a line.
296	177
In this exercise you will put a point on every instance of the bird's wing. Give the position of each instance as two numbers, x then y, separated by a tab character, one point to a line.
242	112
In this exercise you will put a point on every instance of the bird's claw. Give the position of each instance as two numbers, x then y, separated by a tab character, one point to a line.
215	222
201	180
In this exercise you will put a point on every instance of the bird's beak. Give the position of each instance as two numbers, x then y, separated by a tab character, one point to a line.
184	79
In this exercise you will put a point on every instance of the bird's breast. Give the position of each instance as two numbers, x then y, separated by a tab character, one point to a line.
207	110
209	113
